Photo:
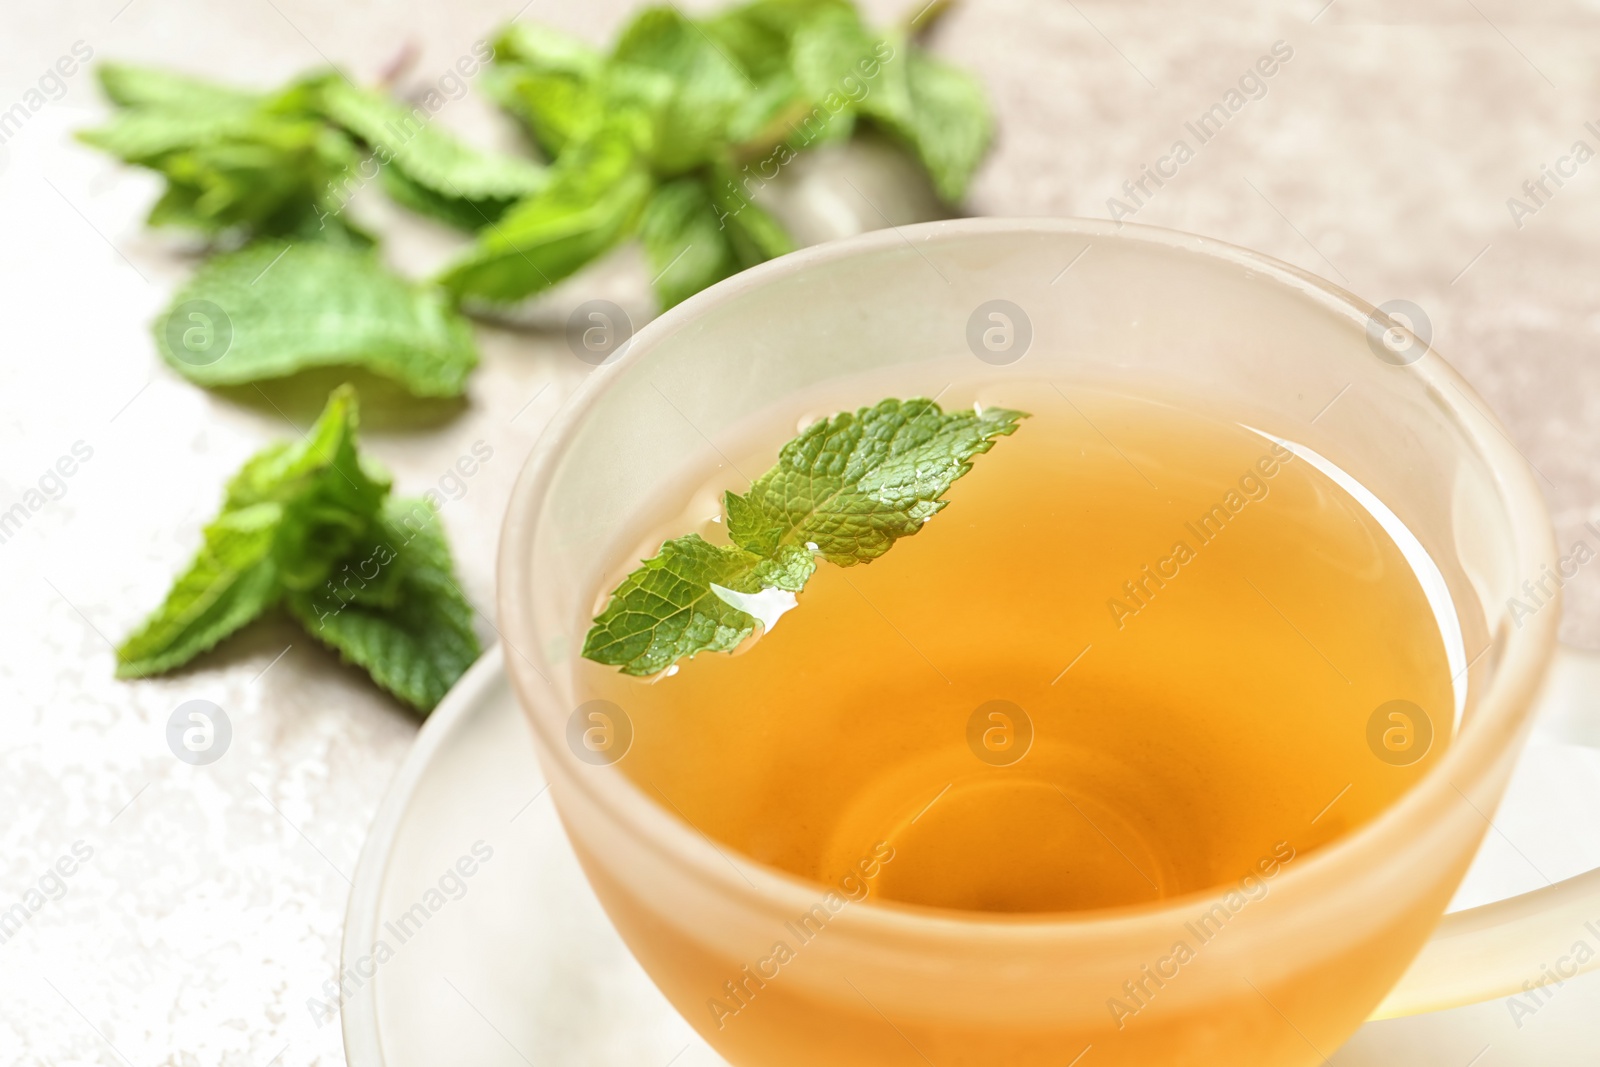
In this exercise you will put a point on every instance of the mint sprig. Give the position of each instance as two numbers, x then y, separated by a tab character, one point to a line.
310	524
844	491
243	164
235	162
667	137
274	172
686	119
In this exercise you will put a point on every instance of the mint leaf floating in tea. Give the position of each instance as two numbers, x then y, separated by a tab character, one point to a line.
845	490
309	522
677	604
288	307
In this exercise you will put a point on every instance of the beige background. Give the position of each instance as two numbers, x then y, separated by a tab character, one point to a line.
1381	156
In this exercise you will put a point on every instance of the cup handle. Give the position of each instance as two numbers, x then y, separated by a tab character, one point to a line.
1490	951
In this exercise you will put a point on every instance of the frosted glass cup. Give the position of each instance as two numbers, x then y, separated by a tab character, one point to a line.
1299	968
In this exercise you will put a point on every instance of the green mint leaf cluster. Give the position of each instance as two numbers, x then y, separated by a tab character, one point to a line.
844	491
666	137
285	163
276	170
287	307
669	135
235	162
310	525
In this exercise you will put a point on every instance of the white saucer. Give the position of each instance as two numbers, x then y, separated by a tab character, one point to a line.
516	963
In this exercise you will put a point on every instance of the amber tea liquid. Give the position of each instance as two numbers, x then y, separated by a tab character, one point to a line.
1137	656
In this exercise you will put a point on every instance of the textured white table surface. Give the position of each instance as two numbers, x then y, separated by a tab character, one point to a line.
1381	155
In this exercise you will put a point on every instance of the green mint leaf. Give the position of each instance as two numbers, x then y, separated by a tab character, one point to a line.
846	489
287	213
759	35
404	139
828	49
395	609
463	214
831	54
669	609
591	203
764	39
687	248
547	50
557	108
147	136
762	120
130	86
854	484
548	80
289	512
668	68
699	231
232	581
328	494
755	235
952	123
938	111
286	307
324	463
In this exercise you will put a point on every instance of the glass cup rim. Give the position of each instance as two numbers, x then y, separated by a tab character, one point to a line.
1496	722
